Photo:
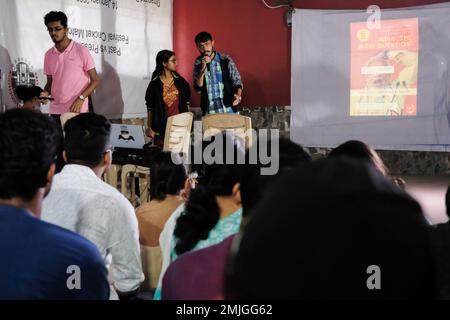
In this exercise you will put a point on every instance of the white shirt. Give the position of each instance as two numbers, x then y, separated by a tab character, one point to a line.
82	202
165	240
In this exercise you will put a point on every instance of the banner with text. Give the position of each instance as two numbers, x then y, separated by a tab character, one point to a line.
123	37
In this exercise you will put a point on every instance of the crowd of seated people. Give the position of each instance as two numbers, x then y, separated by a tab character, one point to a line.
81	202
213	211
169	188
38	258
198	275
336	228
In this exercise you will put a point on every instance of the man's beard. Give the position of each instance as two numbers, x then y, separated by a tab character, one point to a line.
55	40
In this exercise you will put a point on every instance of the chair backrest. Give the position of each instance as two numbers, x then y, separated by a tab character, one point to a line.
178	132
151	258
129	187
235	123
66	116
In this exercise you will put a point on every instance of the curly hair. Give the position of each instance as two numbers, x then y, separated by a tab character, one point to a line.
55	16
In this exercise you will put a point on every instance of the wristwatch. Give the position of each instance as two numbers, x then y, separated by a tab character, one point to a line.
81	97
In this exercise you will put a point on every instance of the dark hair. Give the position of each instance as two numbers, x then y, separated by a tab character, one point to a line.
166	177
360	150
162	57
54	16
27	93
86	139
290	155
203	37
27	144
447	201
202	212
297	223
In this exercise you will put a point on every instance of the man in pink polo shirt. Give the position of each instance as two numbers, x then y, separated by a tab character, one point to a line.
70	69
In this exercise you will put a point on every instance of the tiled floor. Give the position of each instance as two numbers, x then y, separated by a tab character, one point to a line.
429	191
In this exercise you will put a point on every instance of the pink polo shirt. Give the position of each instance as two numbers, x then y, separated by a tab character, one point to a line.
69	72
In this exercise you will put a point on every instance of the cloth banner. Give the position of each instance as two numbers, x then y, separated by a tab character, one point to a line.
123	37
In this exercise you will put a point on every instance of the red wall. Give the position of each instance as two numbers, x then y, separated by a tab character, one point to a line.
256	37
355	4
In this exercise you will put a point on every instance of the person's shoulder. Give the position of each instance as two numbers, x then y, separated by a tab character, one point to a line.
81	48
50	51
63	241
155	81
51	232
170	223
145	208
154	84
178	211
224	56
65	249
97	195
61	190
116	195
112	201
107	195
179	78
198	60
440	229
218	249
208	258
49	236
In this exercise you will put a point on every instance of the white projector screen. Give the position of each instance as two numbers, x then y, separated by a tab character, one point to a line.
386	84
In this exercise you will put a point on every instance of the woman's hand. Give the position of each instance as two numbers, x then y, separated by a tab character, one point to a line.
150	133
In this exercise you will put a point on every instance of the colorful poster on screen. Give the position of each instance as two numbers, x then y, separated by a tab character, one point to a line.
384	66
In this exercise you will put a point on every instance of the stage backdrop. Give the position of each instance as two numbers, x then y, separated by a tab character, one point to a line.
123	37
385	82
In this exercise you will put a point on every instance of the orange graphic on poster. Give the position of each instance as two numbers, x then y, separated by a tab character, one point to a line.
384	66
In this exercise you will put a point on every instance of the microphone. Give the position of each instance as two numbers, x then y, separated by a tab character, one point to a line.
208	65
46	98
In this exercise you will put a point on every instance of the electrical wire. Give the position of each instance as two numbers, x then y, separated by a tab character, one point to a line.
275	7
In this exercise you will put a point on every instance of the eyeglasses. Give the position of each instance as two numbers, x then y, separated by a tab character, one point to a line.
57	29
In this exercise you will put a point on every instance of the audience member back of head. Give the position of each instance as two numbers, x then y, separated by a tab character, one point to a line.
38	260
321	228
